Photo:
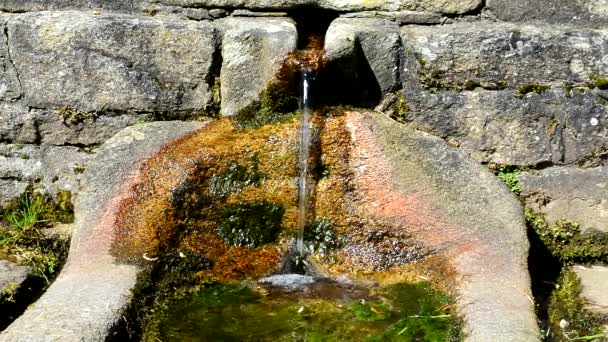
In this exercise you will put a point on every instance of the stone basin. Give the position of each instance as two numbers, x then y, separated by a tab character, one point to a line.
409	180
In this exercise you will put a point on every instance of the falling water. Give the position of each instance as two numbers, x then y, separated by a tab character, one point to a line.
303	157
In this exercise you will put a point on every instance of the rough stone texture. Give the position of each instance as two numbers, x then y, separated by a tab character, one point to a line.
291	282
414	181
10	86
579	195
91	291
594	280
11	275
53	167
576	12
497	126
443	6
39	5
112	62
253	50
518	54
362	45
39	126
400	17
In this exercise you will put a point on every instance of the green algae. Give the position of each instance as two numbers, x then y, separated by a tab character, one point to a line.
251	224
243	312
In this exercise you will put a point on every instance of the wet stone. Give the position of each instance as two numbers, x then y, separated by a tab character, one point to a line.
11	276
291	282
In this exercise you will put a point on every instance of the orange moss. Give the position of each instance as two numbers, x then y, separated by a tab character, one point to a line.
148	219
230	262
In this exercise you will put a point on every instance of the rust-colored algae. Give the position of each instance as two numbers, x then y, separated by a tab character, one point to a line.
172	205
172	200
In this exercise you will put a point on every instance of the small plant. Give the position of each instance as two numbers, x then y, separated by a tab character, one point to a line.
26	216
509	174
400	109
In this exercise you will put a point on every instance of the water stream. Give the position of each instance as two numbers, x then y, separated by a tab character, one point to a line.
303	161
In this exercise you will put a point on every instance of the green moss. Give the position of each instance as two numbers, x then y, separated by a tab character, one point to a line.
213	108
567	304
251	224
400	108
530	88
74	116
60	209
78	169
509	174
598	82
566	242
234	179
277	104
552	126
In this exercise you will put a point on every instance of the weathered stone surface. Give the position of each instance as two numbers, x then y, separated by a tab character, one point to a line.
47	127
361	46
10	86
291	282
11	275
497	126
578	195
253	50
443	6
594	280
248	13
37	5
88	296
54	167
113	62
577	12
180	12
414	181
400	17
492	53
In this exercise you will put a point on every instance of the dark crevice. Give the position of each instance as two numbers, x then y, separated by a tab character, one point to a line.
312	24
544	271
348	81
10	60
